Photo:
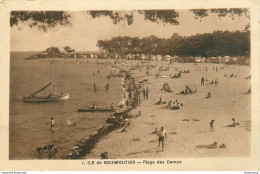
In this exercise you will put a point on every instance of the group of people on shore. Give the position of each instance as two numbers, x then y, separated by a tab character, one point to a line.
52	150
208	81
212	128
166	87
145	93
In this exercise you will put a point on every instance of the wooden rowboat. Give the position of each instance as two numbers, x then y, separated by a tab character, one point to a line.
96	110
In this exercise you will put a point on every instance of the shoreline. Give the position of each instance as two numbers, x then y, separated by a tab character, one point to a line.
189	126
118	120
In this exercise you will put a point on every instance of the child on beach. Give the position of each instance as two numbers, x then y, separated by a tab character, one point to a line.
162	136
52	122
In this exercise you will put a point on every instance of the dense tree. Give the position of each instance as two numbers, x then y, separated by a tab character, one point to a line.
41	19
214	44
68	49
49	19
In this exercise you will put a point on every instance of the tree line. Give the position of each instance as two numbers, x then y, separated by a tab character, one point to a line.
217	43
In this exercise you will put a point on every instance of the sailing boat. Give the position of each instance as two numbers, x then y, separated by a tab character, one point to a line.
53	96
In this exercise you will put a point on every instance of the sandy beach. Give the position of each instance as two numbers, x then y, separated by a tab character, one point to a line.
190	125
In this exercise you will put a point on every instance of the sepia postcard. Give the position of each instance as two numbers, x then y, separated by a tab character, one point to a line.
129	85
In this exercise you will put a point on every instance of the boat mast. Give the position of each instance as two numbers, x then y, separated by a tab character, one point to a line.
51	75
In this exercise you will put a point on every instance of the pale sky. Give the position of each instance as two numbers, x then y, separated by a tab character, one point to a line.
86	31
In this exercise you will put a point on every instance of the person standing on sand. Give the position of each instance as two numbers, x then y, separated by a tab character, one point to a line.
162	136
202	81
52	123
211	126
146	93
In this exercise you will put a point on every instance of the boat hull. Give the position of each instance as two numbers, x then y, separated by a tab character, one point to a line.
96	110
46	99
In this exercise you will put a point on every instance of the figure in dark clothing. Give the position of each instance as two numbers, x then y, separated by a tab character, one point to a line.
208	96
202	81
146	93
211	126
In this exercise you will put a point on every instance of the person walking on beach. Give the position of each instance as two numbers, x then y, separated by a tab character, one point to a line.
107	86
95	88
211	126
146	93
162	136
216	82
52	122
202	81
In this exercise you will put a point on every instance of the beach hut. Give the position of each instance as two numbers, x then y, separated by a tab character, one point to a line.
142	57
175	58
129	56
234	60
187	59
158	57
198	59
208	60
153	57
220	59
203	60
167	58
192	59
226	59
213	59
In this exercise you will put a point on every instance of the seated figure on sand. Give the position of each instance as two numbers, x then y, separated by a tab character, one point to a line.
94	106
209	95
234	124
176	105
169	104
210	146
248	91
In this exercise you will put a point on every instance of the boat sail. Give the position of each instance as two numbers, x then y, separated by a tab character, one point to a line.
53	96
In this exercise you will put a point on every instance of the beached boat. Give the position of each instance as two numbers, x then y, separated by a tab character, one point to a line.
53	96
90	109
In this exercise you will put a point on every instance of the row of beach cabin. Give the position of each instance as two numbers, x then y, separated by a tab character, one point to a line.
242	60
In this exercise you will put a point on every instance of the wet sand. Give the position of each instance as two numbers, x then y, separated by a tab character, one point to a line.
227	101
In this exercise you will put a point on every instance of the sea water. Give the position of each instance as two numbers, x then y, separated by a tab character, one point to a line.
29	126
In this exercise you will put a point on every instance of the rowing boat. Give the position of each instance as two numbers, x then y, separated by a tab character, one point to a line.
96	110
